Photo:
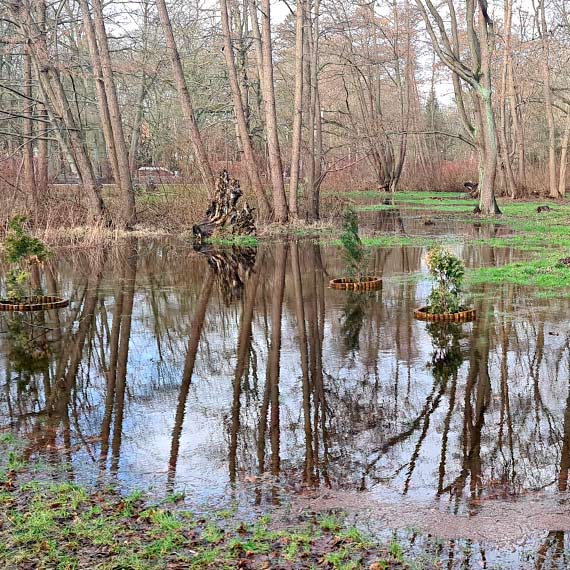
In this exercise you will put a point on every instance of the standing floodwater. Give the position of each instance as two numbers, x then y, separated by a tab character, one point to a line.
240	371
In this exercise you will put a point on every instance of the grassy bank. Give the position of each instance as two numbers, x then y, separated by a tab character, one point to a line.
65	526
173	211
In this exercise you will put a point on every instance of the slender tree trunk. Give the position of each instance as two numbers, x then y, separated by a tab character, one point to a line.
185	99
60	114
564	158
315	125
28	144
103	103
275	163
508	173
42	174
516	118
297	109
511	182
256	34
136	130
309	160
548	106
487	202
128	213
253	173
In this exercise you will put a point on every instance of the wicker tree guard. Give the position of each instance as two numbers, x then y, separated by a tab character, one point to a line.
364	284
39	303
460	317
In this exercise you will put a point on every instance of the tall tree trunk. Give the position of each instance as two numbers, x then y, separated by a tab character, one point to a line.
564	158
297	110
28	143
42	173
128	213
70	136
516	118
185	99
507	167
315	126
136	129
309	158
548	106
103	103
251	166
275	163
487	202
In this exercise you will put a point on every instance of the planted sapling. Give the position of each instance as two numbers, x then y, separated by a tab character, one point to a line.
447	271
22	251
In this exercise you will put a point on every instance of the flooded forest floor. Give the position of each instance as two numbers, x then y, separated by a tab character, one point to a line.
221	407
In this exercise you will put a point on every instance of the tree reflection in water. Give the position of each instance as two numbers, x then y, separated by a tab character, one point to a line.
203	370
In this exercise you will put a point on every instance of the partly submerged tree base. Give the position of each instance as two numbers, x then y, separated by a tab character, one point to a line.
36	303
364	284
462	316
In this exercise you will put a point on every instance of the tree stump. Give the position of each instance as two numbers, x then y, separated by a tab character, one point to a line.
223	212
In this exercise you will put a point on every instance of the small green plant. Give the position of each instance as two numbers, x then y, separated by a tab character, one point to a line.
447	271
21	251
352	245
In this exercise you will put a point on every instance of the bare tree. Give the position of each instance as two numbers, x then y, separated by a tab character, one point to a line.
476	73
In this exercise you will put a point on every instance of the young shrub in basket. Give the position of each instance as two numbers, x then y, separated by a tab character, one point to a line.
355	279
353	248
21	251
447	271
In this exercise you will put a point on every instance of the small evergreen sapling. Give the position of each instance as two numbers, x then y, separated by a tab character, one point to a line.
447	271
21	252
353	248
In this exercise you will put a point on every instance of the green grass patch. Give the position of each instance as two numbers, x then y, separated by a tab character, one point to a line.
543	273
65	526
234	240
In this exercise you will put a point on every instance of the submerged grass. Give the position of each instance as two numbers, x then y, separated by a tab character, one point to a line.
65	526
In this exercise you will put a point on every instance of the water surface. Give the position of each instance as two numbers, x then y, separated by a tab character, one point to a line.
238	377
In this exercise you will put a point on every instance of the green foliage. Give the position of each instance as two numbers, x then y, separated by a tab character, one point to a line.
447	271
352	245
21	251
